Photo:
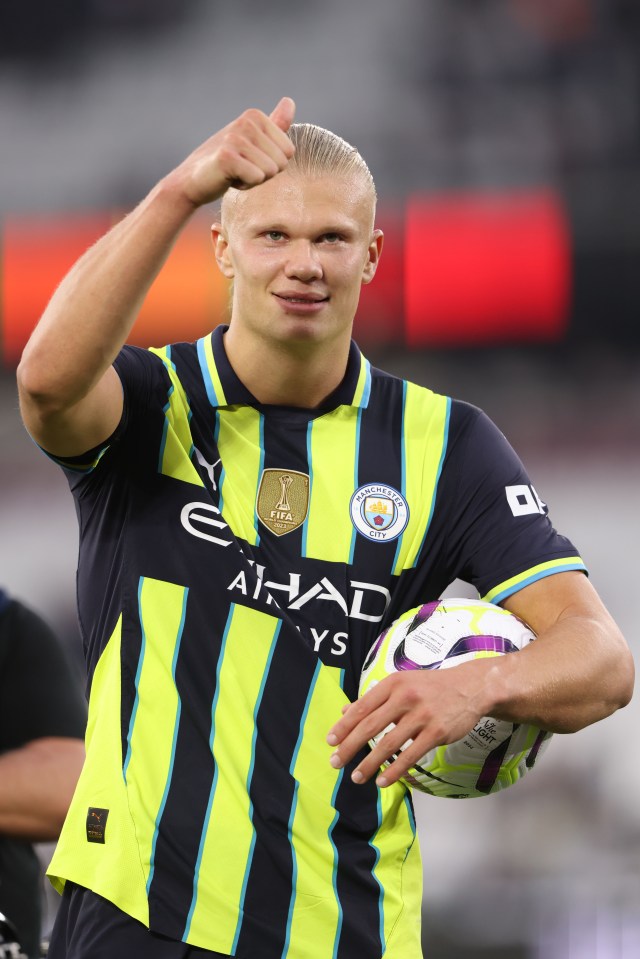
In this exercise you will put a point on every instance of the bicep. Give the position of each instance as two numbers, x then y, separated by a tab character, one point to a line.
582	658
74	430
549	600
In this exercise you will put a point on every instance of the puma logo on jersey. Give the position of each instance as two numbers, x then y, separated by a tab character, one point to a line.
209	467
96	824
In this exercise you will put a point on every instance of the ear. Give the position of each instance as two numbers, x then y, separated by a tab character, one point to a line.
221	250
373	258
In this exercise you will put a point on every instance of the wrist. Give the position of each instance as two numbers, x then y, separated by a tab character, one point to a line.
192	185
172	193
502	687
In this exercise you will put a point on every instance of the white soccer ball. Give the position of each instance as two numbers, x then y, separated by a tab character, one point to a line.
438	635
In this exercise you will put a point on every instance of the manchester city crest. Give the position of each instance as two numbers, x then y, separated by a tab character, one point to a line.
379	512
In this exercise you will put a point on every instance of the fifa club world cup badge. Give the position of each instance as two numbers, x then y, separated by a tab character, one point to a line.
379	512
283	500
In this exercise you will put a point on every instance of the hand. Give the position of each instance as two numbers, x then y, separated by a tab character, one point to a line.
248	151
429	708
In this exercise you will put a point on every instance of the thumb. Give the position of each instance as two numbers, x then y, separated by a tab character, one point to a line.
284	113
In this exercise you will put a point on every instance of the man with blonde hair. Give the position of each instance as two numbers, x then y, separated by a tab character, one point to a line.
230	588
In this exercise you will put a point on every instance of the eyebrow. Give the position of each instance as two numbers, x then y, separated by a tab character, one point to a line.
262	225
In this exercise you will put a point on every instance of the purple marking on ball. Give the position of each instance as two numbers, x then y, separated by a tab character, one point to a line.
492	765
535	749
424	613
482	644
402	661
466	644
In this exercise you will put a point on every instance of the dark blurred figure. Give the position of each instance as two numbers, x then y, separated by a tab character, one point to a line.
9	946
42	721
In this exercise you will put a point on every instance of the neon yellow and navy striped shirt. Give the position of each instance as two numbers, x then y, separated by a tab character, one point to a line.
236	563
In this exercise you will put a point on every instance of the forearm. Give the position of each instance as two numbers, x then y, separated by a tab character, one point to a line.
578	671
91	313
36	786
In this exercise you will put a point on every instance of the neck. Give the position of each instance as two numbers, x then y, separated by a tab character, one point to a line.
286	374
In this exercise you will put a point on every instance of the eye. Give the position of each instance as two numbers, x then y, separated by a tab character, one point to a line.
331	238
274	235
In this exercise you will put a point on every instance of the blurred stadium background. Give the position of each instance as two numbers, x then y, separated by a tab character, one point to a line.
504	136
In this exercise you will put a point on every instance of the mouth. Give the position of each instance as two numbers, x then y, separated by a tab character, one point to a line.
311	299
297	304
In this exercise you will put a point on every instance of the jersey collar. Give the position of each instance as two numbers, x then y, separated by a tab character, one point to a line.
225	389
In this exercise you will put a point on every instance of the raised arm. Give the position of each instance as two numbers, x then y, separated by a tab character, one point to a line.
70	395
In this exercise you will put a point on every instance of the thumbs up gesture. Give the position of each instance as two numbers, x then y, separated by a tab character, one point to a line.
251	149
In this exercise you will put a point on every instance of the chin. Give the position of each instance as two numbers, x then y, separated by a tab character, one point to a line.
302	329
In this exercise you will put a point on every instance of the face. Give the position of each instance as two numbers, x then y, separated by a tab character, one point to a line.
298	250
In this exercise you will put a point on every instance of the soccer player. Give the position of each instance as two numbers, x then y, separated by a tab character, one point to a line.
254	509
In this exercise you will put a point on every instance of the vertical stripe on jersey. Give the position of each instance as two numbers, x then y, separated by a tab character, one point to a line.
403	938
228	834
175	732
355	483
380	886
153	726
379	460
176	447
305	526
315	914
334	877
363	386
335	866
240	444
397	829
425	424
212	381
357	886
332	439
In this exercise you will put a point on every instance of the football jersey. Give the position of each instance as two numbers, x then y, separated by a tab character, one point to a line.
237	561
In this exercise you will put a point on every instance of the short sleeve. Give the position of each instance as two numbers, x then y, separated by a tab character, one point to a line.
500	534
141	375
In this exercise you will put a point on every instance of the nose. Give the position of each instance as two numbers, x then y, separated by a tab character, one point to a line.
303	262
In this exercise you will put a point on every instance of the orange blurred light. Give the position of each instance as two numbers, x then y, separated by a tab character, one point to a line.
36	254
187	299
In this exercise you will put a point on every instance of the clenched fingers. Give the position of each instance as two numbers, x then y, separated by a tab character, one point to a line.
251	149
257	146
